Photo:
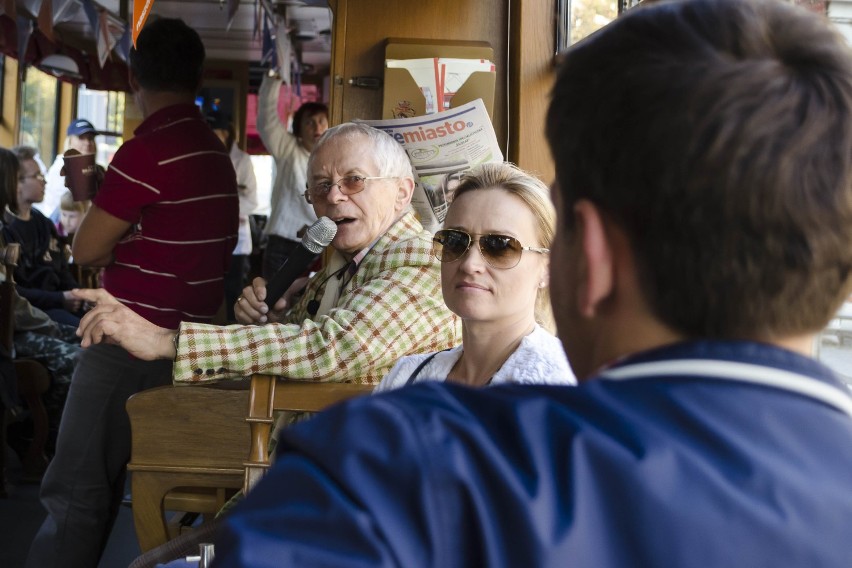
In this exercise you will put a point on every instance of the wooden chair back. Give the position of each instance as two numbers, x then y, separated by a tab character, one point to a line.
269	394
189	445
9	258
32	377
188	441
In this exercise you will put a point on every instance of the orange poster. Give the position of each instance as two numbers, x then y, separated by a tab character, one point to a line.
141	9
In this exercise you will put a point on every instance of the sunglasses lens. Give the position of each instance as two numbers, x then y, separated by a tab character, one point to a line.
450	245
500	251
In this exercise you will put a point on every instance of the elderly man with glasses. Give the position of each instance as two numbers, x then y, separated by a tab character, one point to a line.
376	299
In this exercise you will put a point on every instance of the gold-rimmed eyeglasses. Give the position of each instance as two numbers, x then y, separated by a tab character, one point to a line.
348	185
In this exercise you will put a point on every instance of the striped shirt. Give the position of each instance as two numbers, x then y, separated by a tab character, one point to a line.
175	183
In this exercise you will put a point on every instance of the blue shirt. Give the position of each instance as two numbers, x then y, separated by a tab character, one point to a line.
704	454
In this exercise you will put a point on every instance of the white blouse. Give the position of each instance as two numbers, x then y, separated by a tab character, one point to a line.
539	359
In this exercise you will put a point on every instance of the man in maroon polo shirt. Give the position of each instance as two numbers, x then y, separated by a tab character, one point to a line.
163	224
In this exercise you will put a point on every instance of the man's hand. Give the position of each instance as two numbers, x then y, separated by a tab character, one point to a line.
251	308
110	321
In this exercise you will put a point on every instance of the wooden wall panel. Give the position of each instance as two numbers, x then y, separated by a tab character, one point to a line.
523	44
9	116
362	26
531	78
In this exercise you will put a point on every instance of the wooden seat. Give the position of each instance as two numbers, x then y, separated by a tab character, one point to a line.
86	276
193	438
192	446
270	394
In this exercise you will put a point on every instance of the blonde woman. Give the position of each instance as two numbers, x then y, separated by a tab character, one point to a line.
494	253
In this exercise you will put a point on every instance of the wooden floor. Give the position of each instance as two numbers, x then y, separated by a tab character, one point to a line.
21	516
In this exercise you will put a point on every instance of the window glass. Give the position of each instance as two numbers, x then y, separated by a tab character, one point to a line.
39	94
105	110
834	345
577	19
588	16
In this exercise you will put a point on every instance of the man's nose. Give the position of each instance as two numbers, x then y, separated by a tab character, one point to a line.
335	194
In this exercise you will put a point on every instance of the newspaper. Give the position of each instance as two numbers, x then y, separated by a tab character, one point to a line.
441	146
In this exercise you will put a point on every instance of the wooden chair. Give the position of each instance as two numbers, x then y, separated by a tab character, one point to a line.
270	394
86	276
190	444
188	449
33	378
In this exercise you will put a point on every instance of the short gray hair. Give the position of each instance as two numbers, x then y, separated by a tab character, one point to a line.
389	154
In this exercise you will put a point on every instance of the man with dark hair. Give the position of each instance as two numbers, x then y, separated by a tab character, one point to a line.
168	58
163	224
704	194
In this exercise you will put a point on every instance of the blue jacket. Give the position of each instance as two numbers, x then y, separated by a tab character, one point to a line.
706	454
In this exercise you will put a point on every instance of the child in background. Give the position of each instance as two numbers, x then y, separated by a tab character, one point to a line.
71	213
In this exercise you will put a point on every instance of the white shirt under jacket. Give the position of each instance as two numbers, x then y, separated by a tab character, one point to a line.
539	359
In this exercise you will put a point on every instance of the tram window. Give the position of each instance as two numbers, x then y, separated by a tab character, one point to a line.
834	345
39	113
588	16
105	110
576	19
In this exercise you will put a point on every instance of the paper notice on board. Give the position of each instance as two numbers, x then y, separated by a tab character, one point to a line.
425	74
455	72
441	147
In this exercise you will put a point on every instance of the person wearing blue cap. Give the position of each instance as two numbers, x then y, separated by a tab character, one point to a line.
81	137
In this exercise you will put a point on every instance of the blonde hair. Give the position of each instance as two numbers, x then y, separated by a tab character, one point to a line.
536	195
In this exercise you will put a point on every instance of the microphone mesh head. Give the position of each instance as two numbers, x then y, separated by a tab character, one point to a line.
319	235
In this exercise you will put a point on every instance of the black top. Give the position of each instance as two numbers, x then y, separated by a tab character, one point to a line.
42	273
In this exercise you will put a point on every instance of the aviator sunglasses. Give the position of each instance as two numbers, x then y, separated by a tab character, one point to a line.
499	251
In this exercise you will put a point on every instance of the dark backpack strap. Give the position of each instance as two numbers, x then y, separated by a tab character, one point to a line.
419	368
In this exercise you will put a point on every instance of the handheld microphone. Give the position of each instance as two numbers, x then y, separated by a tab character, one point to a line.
317	237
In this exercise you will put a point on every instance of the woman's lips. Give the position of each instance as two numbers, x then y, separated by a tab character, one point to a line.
471	286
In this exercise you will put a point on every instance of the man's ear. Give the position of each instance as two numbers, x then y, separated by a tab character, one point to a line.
405	189
595	249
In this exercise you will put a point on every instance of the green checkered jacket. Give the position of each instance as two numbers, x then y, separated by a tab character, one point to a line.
392	307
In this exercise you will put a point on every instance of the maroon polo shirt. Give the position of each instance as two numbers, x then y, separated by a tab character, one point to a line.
175	183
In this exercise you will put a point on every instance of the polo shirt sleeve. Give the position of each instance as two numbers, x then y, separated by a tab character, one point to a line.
128	185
